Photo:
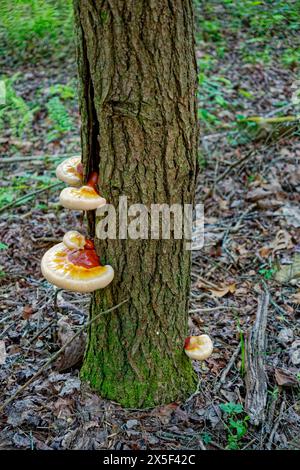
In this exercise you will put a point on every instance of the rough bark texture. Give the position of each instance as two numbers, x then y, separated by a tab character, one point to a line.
137	73
256	377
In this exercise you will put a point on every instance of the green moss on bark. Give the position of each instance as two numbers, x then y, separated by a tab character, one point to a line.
170	379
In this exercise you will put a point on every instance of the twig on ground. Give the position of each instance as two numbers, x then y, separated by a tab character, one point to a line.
56	310
266	428
40	332
28	196
3	333
196	392
29	158
213	309
277	422
237	226
256	377
55	355
227	171
227	368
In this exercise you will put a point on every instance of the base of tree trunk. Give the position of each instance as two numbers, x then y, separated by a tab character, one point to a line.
156	377
152	391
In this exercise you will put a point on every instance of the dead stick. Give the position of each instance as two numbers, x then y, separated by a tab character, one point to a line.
282	406
256	377
34	193
55	355
29	158
228	368
40	332
214	309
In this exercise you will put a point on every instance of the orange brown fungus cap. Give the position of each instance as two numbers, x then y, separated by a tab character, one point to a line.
198	347
70	171
86	257
74	265
93	180
187	342
85	198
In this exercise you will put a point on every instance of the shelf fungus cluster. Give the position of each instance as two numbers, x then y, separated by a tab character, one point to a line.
78	196
198	348
74	264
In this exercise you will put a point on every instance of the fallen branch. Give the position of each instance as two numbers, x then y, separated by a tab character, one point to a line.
214	309
29	158
55	355
256	377
228	368
34	193
270	120
281	411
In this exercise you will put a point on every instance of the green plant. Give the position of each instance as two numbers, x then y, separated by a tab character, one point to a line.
214	95
6	196
16	114
235	423
65	92
251	178
2	273
201	160
242	343
274	393
267	272
33	28
206	438
18	186
211	29
291	57
59	118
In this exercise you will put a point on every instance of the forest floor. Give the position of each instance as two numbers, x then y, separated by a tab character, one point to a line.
250	186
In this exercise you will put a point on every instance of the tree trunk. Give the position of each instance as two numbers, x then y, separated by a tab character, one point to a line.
137	74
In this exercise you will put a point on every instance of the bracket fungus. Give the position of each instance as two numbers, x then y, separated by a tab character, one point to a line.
85	198
70	171
198	347
74	265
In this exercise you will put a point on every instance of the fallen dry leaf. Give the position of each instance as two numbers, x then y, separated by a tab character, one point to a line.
290	271
285	378
296	298
258	193
281	242
223	290
292	214
165	412
265	251
215	365
217	291
27	312
73	354
266	204
63	407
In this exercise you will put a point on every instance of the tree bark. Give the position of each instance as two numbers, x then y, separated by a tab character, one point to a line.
137	74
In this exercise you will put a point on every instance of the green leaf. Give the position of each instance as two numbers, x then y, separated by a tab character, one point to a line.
231	408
